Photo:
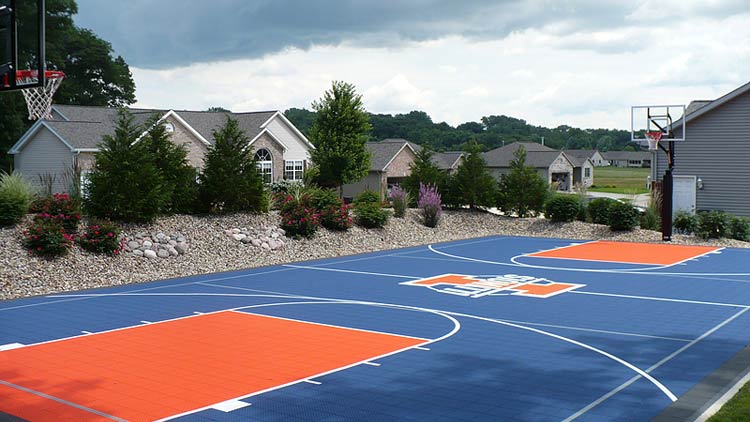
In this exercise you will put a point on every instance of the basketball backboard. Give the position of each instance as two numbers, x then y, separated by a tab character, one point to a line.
22	43
657	118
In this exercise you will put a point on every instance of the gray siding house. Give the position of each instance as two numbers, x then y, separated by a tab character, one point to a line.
628	158
390	161
715	154
554	166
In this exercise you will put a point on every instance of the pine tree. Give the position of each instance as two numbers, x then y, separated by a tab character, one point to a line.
472	184
170	159
125	184
522	191
424	171
230	181
339	133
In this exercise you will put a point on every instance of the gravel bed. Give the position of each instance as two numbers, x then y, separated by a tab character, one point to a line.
211	250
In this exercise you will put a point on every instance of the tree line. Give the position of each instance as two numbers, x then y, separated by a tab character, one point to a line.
490	132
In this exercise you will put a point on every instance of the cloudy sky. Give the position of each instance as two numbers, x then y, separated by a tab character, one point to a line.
550	62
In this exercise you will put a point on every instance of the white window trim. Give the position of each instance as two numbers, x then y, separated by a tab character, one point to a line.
296	174
262	165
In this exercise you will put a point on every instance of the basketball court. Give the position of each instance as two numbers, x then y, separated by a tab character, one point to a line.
499	328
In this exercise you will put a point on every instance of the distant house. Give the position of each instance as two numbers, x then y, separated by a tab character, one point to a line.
554	166
711	165
596	157
628	158
52	146
389	165
448	161
583	167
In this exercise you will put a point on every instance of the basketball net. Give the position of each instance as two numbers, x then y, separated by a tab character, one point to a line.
39	99
653	139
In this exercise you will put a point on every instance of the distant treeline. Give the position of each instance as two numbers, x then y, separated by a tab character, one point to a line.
491	132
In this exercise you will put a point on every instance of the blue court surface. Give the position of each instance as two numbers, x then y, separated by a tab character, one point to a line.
497	334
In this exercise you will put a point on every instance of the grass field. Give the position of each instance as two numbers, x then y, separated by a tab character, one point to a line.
620	180
736	409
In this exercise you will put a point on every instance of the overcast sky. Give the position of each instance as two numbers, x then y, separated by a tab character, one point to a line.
550	62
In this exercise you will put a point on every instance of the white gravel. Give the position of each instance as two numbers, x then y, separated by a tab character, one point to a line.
211	250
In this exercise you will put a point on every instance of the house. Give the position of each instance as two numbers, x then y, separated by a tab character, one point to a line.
596	157
448	161
628	158
390	161
554	166
52	146
711	166
583	167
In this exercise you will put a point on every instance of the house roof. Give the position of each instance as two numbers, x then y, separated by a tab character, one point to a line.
83	127
537	155
447	160
579	156
626	155
383	152
700	107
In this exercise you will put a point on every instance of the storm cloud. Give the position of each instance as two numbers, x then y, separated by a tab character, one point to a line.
170	33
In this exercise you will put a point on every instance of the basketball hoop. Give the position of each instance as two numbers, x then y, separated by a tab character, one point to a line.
653	139
39	99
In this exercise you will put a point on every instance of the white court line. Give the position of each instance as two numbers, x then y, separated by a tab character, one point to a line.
594	330
61	401
371	363
661	299
312	382
421	348
302	267
11	346
653	367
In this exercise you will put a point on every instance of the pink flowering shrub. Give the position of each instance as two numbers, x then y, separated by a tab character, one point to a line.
336	217
298	218
101	238
430	205
47	238
400	199
60	208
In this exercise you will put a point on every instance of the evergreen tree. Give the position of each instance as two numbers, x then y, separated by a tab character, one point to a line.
423	170
339	133
177	175
125	184
472	184
522	191
230	181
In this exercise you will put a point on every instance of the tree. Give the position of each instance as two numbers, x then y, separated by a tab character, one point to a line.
170	159
472	184
93	75
339	133
230	181
218	109
423	170
125	184
522	191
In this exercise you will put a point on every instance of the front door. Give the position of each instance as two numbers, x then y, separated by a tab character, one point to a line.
683	194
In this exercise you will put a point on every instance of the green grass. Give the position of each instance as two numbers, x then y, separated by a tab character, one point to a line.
736	409
625	180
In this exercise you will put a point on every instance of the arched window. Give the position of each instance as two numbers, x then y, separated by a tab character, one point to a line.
265	164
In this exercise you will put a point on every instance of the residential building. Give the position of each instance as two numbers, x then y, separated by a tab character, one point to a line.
628	158
554	166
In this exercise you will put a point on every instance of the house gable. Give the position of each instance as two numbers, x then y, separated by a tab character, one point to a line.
184	135
399	166
32	133
44	152
296	145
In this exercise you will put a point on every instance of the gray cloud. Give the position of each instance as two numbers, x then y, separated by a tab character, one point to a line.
169	33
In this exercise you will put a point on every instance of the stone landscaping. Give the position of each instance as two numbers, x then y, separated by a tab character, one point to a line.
157	245
269	238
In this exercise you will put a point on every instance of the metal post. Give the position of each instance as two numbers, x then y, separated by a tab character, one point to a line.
41	22
666	196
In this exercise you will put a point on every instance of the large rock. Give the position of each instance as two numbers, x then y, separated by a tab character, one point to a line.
239	237
137	252
255	242
265	245
149	254
172	251
181	247
273	245
133	245
147	244
163	253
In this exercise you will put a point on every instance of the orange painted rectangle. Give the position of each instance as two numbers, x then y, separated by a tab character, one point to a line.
158	370
627	252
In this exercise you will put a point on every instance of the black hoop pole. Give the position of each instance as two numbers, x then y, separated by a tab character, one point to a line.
666	196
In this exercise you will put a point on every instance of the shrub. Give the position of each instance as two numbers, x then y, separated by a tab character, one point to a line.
298	218
598	210
422	171
336	217
283	186
522	191
103	238
400	199
370	215
367	196
47	238
61	208
15	197
582	209
712	224
562	208
430	204
650	220
740	228
623	216
322	199
685	222
472	184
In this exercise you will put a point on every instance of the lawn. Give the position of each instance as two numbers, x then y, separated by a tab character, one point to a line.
736	409
625	180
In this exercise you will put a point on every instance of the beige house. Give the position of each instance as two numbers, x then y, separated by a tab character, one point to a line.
554	166
51	147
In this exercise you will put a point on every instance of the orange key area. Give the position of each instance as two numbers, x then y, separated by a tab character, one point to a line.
155	371
627	252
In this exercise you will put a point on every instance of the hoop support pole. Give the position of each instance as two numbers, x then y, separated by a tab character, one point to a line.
666	195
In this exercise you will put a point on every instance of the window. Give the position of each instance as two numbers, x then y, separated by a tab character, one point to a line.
587	172
169	127
265	165
85	183
293	169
